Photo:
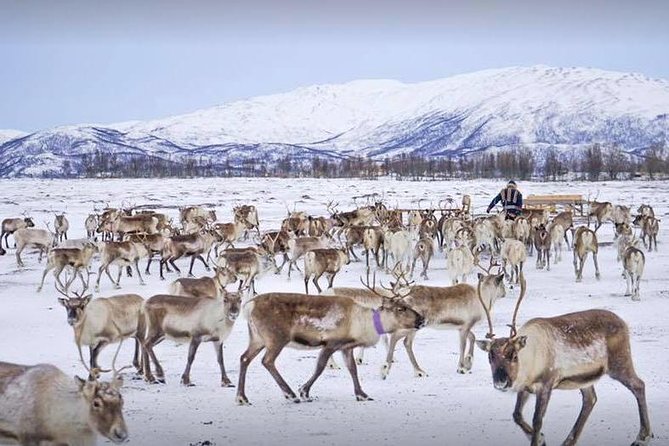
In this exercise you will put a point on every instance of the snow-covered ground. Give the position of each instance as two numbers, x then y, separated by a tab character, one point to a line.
443	408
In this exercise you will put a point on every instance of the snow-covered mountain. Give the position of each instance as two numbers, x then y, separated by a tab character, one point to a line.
533	107
9	134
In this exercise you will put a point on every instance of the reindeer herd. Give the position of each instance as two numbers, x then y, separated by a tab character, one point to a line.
571	351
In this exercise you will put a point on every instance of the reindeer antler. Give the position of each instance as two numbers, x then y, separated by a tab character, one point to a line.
491	333
523	288
493	263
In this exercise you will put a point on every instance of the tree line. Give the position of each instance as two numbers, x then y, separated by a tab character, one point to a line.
594	163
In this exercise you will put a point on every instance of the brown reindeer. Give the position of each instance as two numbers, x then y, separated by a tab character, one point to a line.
190	245
602	211
121	254
331	323
650	227
423	250
77	259
191	319
204	286
11	225
328	261
571	351
61	225
41	405
542	243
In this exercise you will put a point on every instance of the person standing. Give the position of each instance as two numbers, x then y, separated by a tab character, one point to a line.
512	200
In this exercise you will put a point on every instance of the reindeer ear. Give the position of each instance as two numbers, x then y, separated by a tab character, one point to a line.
520	342
79	382
117	382
62	301
499	279
87	298
484	345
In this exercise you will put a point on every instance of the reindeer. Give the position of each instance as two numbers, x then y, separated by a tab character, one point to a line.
248	215
459	263
61	225
189	214
542	243
566	221
297	223
557	235
11	225
328	261
646	210
521	230
650	227
204	286
621	214
585	241
187	319
363	216
300	246
41	405
457	307
423	250
124	224
41	239
229	233
102	321
634	262
397	244
276	242
372	240
355	236
247	264
331	323
449	229
513	254
122	254
622	229
602	211
154	244
571	351
77	259
192	245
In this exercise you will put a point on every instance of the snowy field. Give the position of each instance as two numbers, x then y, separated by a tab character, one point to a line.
443	408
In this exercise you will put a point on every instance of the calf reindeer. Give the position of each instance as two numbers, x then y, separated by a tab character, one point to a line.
585	241
372	240
327	261
187	319
77	259
61	225
213	287
557	235
566	221
332	323
11	225
192	245
247	264
571	351
542	243
300	246
459	263
103	321
41	405
276	242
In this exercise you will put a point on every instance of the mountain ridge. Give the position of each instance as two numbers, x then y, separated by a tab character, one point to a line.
534	107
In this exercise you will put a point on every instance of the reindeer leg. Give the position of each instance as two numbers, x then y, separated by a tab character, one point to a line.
589	400
323	359
94	352
204	262
408	346
254	348
306	284
331	280
148	265
46	271
625	374
521	399
136	357
360	395
268	361
190	270
192	350
462	366
117	284
543	396
394	338
97	281
594	257
225	381
141	280
318	287
628	279
151	342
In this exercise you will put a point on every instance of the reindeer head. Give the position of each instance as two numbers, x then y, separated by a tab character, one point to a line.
224	276
395	314
232	303
74	306
105	406
30	223
503	353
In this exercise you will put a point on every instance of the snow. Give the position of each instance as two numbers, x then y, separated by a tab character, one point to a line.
9	134
443	408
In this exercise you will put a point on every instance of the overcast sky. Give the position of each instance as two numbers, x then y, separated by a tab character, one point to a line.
67	62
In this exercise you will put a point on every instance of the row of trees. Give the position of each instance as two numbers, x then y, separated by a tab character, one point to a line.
593	163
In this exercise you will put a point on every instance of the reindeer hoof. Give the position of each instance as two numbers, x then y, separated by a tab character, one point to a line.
385	370
227	384
293	398
363	397
359	361
420	374
242	401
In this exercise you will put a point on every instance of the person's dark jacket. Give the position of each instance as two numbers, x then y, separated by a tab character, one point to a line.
511	198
